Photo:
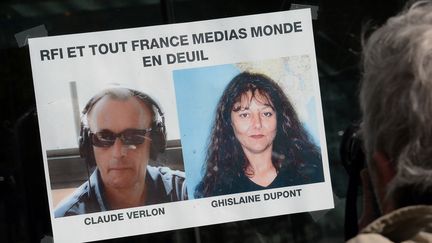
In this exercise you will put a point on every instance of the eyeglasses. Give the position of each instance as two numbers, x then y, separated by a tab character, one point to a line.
107	138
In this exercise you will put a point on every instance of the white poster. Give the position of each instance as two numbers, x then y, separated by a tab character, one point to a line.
175	126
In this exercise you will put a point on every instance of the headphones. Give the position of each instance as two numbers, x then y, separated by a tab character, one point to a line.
157	134
351	150
353	159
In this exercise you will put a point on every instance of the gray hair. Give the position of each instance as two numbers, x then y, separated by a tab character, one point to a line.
396	100
119	93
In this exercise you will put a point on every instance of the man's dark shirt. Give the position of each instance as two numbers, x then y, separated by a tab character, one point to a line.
162	184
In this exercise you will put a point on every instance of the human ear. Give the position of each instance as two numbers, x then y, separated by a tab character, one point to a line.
384	172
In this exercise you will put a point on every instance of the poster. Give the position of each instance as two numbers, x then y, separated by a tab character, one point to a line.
188	73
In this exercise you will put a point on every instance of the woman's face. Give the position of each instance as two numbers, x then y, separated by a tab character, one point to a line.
254	123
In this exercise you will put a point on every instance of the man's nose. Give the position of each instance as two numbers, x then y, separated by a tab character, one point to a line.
119	149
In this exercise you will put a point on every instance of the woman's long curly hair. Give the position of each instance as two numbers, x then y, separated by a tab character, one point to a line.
225	158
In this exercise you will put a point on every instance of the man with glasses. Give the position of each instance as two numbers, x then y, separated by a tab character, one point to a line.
120	133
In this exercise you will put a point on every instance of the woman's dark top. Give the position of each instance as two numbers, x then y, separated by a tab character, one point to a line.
285	177
290	175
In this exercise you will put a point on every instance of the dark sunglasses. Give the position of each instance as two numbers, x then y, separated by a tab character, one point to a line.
107	138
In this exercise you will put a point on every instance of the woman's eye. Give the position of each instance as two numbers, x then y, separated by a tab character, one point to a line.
244	115
268	114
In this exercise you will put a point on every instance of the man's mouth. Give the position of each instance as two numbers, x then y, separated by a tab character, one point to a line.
119	168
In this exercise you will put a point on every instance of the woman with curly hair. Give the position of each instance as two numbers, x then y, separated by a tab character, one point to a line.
257	141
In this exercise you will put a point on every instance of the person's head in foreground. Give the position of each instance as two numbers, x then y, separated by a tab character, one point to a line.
257	141
120	133
396	102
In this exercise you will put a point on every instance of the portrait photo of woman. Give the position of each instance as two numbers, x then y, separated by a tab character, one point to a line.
257	141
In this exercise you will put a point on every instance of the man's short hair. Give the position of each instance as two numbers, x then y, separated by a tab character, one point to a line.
396	101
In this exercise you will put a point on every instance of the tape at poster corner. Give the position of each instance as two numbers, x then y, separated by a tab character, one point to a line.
317	215
23	36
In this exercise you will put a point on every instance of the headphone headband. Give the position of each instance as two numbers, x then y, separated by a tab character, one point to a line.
158	134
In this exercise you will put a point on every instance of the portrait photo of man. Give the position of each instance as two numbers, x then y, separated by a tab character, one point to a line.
121	130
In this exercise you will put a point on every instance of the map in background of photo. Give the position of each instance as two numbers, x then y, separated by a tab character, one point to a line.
196	106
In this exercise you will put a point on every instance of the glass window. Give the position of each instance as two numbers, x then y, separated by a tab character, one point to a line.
24	214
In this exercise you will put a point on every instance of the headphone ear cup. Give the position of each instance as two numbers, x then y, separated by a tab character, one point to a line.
85	146
83	141
158	137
